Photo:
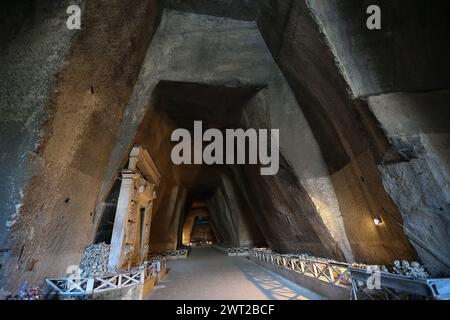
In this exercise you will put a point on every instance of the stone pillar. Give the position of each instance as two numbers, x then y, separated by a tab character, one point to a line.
146	197
146	234
126	195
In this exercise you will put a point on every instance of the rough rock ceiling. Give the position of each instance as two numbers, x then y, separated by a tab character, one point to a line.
236	9
216	106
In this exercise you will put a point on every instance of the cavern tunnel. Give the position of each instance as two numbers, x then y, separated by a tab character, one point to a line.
354	120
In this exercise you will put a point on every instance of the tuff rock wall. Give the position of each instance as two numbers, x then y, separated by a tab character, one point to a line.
64	92
374	100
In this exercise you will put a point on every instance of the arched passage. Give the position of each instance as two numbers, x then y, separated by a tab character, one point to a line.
198	209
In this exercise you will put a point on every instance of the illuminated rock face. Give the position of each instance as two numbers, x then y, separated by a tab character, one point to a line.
63	139
362	118
374	123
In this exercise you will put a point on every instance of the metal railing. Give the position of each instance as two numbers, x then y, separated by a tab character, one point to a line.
359	280
334	273
238	251
86	286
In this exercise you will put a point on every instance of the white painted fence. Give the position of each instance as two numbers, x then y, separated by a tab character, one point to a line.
171	254
87	286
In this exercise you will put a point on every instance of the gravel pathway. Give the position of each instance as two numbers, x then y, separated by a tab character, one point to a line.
208	274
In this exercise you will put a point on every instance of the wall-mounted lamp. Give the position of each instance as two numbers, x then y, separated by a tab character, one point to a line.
377	221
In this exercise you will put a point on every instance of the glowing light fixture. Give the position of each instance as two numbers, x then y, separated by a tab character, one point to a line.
377	221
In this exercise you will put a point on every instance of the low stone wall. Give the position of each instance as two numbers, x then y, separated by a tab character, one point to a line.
129	293
324	289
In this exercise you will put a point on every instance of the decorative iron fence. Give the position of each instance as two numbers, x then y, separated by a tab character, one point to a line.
334	273
361	282
238	251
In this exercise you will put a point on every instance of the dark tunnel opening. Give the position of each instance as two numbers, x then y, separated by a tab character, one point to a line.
178	105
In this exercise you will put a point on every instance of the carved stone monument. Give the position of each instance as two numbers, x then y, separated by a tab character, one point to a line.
131	232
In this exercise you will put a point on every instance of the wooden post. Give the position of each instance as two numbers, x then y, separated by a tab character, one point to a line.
90	286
